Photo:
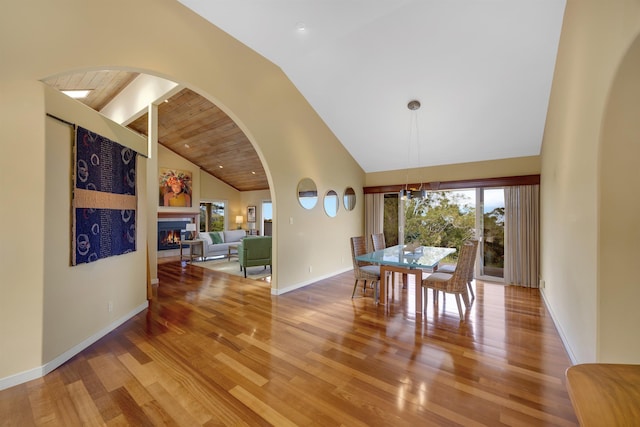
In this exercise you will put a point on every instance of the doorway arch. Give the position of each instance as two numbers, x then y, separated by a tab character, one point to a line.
619	219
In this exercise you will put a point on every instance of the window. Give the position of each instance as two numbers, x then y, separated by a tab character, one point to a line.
212	216
267	218
447	218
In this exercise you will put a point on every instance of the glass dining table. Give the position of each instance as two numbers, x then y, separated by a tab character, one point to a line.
406	259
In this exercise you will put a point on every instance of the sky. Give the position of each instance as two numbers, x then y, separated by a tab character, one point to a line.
493	198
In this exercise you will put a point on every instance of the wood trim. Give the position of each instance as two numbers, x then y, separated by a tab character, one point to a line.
195	216
178	214
457	185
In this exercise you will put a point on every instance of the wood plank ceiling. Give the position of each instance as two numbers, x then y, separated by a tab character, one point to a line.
189	125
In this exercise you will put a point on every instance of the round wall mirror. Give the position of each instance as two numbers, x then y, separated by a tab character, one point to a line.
307	193
331	203
349	199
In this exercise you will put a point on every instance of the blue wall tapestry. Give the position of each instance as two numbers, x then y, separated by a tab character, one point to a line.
104	198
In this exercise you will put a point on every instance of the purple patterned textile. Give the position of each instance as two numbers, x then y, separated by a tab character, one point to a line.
104	198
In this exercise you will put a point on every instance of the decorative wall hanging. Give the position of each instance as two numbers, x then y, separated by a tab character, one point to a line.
104	198
175	188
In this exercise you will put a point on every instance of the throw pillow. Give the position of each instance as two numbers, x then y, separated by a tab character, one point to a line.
215	237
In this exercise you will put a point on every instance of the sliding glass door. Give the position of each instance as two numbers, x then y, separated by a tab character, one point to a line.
490	220
447	218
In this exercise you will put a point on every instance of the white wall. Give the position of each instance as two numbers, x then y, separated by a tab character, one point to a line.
22	218
85	291
51	310
591	295
619	234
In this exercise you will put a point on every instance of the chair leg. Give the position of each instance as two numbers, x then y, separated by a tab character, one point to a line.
473	296
465	298
355	286
459	307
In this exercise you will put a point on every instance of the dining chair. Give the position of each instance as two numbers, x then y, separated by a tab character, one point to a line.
455	283
378	242
362	270
450	268
377	239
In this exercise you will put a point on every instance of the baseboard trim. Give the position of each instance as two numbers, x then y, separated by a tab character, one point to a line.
43	370
563	337
307	283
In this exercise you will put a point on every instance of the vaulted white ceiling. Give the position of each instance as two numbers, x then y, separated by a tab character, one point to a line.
482	70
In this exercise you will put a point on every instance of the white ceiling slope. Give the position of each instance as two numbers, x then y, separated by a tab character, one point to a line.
482	70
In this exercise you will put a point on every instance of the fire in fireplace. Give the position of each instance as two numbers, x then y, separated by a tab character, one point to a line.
169	234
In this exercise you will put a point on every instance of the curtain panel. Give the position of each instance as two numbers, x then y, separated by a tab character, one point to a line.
373	216
522	235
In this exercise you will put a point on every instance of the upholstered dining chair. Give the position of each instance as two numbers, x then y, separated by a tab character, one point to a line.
363	270
450	268
455	283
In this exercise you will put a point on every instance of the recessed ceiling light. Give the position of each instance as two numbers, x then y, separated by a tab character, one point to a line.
301	26
187	146
77	94
253	172
220	166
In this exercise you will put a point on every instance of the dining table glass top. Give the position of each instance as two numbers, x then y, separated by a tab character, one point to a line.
408	256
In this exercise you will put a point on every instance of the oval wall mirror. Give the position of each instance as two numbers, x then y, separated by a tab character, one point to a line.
307	193
331	203
349	199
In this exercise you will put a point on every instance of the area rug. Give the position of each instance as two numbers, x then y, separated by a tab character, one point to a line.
233	267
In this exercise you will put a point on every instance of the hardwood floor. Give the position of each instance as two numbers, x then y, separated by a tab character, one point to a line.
221	350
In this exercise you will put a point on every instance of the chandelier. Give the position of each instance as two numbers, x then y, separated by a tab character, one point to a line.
407	193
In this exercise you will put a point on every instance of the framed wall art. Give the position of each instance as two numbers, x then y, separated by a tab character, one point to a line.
175	188
251	214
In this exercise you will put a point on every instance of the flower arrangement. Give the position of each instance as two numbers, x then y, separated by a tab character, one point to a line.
172	177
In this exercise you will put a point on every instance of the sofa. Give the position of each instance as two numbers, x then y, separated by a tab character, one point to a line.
217	243
254	250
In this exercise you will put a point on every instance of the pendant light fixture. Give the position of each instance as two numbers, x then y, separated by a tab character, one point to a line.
406	193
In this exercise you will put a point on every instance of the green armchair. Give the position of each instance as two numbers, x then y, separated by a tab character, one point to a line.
254	251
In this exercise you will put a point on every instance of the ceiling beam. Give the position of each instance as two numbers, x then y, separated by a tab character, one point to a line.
133	100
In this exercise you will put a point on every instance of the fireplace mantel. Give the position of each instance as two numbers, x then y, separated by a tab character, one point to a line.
192	215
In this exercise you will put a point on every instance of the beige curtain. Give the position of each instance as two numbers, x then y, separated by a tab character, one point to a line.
373	216
522	235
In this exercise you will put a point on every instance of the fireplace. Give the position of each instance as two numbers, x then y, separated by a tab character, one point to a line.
170	233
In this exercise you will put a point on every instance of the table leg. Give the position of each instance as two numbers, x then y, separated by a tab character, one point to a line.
418	274
382	297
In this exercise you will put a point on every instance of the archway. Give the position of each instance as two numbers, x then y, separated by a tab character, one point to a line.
185	124
619	220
